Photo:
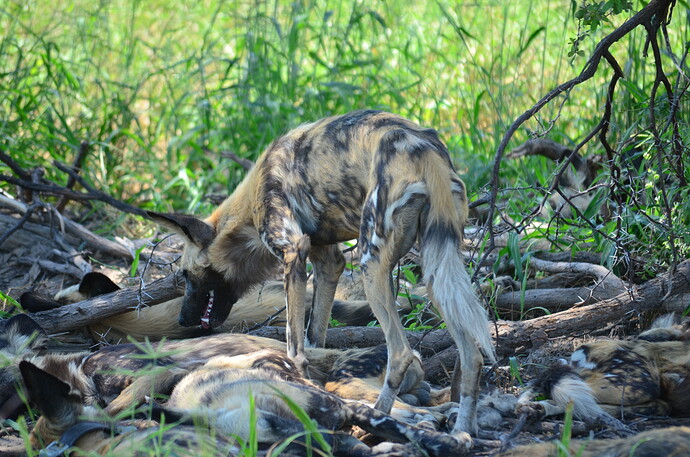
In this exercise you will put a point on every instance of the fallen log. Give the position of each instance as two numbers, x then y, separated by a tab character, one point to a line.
516	304
83	313
515	337
427	343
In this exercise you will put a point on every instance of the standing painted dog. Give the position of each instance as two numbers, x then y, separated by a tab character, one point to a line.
369	175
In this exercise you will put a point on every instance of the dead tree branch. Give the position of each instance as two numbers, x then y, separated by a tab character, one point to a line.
26	181
78	315
651	17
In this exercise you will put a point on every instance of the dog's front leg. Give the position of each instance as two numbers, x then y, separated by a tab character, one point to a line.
328	263
295	277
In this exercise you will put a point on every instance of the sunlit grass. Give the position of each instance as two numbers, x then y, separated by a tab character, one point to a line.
160	88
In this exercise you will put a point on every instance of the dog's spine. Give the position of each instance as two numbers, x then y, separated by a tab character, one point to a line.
442	262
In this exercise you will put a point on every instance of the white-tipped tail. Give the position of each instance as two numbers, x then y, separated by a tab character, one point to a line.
572	388
452	291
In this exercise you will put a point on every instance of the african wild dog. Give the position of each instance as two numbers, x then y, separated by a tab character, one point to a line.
68	427
262	304
105	377
667	442
609	379
369	175
218	395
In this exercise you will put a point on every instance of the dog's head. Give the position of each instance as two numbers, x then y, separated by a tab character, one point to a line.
91	285
59	406
20	338
216	268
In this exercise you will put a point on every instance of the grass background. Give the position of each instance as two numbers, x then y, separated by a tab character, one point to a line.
160	88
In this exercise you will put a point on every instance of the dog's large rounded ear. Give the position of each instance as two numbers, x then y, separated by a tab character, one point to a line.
35	302
94	284
49	394
195	230
21	333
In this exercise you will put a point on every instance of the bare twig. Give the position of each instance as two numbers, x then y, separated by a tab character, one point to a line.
244	163
76	166
96	194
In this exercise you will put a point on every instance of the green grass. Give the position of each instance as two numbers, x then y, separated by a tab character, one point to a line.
160	89
153	85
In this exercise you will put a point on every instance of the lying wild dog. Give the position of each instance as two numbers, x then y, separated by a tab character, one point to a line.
666	442
264	303
219	393
369	175
66	424
106	377
609	378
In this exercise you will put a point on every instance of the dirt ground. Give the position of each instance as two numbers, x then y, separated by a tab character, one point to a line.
26	264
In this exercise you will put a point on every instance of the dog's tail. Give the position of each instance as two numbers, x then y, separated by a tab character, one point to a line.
442	262
565	386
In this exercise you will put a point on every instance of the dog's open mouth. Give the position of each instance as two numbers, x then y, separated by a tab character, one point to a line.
206	319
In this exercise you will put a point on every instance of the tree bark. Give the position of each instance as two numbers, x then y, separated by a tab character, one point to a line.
521	336
78	315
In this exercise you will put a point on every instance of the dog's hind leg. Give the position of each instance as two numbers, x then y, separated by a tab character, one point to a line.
328	263
400	355
465	382
385	236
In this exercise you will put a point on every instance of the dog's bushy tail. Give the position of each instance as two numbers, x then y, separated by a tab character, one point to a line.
442	263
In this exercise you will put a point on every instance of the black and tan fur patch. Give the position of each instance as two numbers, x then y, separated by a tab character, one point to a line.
107	376
624	379
369	175
671	442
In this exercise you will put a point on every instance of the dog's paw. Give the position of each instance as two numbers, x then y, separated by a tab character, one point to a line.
301	363
464	441
533	409
396	450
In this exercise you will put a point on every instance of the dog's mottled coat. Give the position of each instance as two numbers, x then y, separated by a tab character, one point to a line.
369	175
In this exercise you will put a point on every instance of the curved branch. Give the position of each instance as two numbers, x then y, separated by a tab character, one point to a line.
657	12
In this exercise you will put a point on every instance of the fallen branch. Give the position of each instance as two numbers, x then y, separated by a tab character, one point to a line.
53	267
551	300
84	313
93	241
608	283
521	336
